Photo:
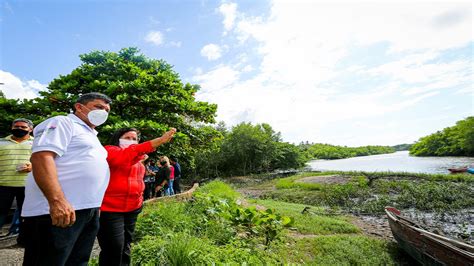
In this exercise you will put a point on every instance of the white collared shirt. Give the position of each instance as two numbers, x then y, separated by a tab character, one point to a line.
81	164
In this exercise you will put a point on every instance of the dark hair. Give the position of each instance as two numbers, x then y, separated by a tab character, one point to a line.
24	120
114	140
174	159
89	97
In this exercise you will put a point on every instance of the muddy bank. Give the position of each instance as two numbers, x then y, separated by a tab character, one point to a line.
457	224
364	202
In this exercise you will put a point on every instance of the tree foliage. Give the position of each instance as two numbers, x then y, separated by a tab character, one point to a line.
457	140
249	149
146	93
327	151
10	109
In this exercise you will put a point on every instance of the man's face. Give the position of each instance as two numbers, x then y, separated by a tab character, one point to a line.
82	110
22	126
96	104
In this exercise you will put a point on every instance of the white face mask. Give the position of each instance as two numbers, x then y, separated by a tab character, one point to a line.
124	143
97	117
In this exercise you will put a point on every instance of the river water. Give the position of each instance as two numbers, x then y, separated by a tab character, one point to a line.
395	162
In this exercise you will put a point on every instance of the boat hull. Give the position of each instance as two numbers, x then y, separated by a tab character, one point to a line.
424	246
458	170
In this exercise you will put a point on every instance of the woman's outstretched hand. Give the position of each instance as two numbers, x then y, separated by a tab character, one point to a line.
168	135
164	138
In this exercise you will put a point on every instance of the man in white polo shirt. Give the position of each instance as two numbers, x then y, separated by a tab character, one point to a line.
65	190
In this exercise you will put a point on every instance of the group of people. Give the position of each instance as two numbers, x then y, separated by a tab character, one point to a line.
162	178
77	189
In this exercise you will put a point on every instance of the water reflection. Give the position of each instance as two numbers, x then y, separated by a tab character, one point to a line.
396	162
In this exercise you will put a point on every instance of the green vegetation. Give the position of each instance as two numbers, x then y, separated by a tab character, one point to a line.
316	220
457	140
327	151
344	250
213	229
248	149
405	175
357	193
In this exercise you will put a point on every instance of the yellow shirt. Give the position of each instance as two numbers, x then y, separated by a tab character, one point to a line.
12	154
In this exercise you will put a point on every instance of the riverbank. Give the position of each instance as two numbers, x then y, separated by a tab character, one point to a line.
221	226
442	202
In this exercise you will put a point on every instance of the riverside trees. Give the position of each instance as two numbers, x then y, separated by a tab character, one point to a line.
457	140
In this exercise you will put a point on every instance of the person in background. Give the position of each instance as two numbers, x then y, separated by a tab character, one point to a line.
124	195
163	178
15	152
64	191
177	174
165	163
154	169
149	179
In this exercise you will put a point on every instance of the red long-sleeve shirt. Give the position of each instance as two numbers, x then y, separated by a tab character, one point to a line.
125	190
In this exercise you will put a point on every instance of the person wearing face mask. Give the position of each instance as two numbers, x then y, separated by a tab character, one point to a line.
124	195
15	152
64	191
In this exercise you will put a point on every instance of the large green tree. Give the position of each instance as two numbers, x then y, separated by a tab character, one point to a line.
147	94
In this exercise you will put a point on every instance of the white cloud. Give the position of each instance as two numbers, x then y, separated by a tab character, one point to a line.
14	88
297	84
247	68
229	11
217	79
211	51
154	37
175	44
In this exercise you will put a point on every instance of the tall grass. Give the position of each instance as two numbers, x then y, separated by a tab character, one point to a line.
343	250
219	189
314	220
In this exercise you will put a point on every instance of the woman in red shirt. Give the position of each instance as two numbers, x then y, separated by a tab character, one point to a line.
124	195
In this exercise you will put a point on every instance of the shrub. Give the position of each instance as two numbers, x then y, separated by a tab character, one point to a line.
220	190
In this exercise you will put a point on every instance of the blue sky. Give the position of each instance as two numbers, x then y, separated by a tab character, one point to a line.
346	73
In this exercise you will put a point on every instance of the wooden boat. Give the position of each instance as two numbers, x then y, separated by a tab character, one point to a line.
458	170
426	247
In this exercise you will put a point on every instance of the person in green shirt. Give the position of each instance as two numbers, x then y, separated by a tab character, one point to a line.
15	152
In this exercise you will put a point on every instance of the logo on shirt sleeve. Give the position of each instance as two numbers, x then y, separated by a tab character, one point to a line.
50	129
